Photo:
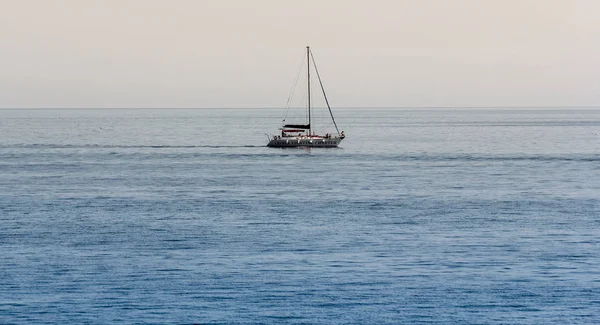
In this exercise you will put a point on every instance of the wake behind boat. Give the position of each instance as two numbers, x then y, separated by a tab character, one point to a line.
302	135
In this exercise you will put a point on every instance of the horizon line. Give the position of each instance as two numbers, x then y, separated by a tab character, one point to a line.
338	107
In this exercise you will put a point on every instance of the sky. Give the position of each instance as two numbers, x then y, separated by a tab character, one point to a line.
242	53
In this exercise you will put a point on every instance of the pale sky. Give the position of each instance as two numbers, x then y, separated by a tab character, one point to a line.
245	53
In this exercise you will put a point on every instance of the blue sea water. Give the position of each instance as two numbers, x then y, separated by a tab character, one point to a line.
422	216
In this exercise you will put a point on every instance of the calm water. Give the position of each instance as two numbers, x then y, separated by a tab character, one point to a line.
183	216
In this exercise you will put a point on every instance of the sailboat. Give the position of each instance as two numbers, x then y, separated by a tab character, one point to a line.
302	134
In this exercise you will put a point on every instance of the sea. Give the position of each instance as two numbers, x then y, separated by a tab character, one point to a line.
184	216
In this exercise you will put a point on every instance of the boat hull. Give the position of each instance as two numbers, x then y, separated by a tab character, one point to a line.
291	142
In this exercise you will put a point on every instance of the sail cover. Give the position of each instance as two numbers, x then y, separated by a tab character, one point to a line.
298	126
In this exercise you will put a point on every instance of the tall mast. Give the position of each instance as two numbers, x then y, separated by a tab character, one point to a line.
308	78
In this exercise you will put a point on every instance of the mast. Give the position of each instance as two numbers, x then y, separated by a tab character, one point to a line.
308	78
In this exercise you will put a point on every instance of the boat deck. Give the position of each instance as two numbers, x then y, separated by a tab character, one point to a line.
312	141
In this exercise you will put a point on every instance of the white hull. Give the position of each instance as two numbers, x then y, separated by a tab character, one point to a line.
312	142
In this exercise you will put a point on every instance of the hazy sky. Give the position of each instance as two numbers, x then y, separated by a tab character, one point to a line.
245	53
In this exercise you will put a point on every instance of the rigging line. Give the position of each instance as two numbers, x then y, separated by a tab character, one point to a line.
293	90
324	95
304	100
323	128
294	111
